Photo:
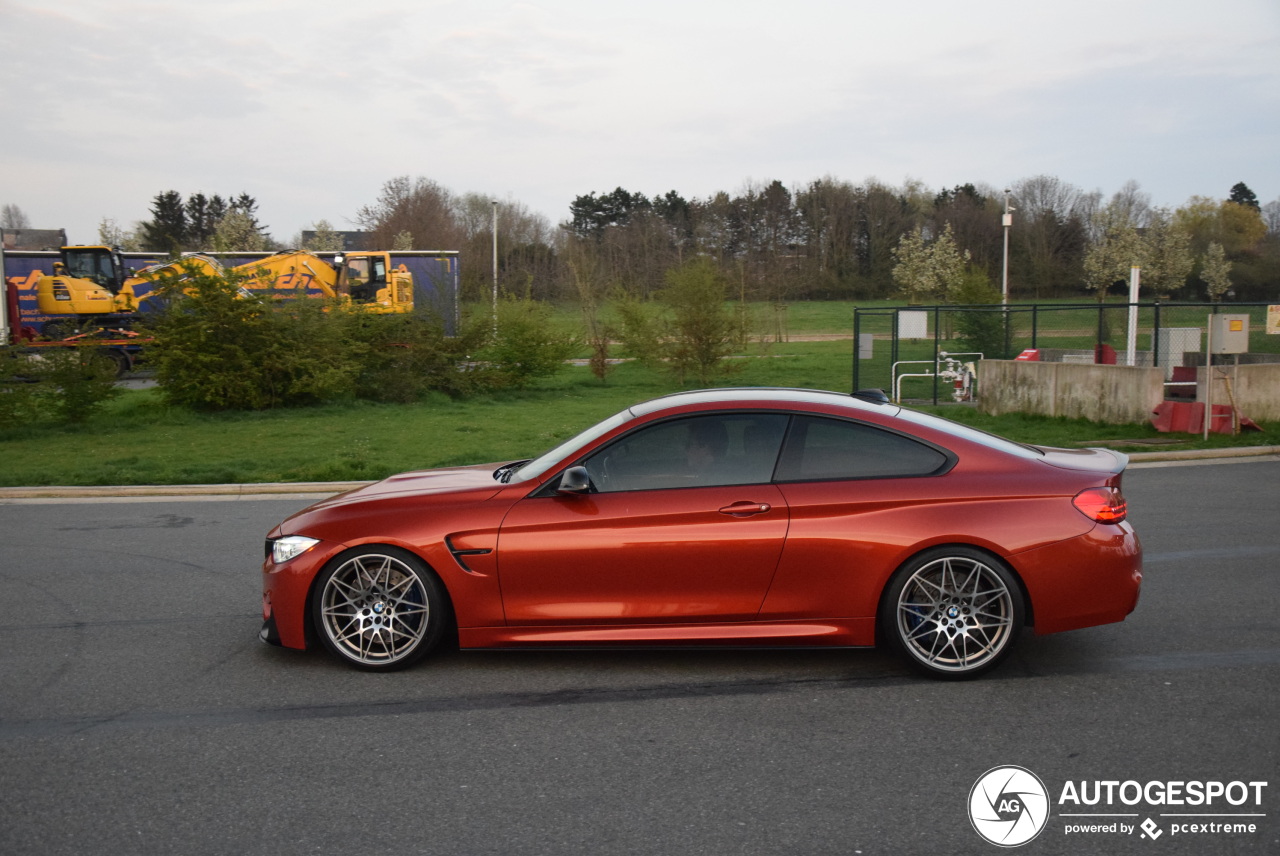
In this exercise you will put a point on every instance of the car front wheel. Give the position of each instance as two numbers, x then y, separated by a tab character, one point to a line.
954	612
379	609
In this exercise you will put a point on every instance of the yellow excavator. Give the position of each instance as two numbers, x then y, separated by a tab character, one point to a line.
92	281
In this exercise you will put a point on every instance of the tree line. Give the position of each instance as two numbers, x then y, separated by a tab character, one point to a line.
826	239
832	239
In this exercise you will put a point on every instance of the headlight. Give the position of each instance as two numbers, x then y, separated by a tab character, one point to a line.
284	549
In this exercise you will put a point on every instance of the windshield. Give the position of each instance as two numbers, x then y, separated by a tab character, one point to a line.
546	461
90	264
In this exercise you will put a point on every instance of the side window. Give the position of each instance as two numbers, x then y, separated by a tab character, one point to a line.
699	451
819	449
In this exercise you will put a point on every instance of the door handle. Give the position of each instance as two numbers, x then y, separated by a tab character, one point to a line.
746	509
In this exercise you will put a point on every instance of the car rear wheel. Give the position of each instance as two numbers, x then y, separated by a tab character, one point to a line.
379	609
954	612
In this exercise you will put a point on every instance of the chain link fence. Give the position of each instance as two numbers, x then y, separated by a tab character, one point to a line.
929	353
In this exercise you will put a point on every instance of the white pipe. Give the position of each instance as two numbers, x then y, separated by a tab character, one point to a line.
1131	352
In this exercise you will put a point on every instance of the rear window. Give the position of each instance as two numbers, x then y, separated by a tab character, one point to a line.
818	449
972	435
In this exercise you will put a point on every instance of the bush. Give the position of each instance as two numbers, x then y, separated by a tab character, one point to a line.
692	330
526	345
980	330
403	358
219	348
57	384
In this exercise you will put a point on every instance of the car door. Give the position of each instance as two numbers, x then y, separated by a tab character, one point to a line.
683	525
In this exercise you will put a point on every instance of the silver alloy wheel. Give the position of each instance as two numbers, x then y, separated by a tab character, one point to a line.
375	609
955	615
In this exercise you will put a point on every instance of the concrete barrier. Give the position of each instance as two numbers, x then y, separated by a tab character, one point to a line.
1256	388
1117	395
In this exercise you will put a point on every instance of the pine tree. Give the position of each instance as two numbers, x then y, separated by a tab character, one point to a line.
167	230
1242	195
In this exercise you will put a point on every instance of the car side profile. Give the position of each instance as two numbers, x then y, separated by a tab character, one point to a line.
729	517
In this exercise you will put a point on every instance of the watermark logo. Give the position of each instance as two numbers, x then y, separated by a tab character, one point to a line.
1152	829
1008	806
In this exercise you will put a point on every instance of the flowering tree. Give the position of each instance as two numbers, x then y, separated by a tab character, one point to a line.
1116	248
1215	272
929	271
1166	258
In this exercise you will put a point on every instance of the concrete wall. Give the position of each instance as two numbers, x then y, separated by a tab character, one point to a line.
1117	395
1256	388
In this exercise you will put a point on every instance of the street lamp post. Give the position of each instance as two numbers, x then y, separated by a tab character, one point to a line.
1007	221
495	267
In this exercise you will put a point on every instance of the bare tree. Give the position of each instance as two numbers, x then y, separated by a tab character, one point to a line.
419	206
13	217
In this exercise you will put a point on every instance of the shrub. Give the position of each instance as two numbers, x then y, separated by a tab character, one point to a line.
404	357
218	347
57	384
526	345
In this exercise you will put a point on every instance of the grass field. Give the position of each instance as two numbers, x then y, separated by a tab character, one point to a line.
138	440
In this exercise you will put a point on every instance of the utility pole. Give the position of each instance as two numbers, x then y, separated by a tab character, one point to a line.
4	300
1007	221
495	267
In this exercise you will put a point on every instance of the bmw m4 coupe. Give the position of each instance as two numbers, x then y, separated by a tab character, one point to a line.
728	517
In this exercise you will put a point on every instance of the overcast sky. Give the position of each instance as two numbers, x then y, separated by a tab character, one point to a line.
311	106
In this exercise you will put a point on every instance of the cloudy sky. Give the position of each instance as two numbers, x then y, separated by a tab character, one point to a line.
311	106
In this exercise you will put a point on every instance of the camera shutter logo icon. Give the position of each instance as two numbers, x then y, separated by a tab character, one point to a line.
1008	806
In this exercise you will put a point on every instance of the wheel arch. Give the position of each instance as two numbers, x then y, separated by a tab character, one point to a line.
311	633
1027	605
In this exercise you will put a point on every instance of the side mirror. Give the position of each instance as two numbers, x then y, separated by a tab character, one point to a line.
575	481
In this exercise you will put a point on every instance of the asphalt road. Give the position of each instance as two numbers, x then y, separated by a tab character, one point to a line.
139	714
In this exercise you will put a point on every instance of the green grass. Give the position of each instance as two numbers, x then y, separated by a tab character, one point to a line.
138	440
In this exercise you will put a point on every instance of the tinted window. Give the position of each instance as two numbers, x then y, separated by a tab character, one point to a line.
722	449
819	449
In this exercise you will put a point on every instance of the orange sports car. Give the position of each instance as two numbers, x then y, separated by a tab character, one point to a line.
728	517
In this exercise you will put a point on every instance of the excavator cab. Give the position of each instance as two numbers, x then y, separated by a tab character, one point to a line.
98	264
85	282
366	276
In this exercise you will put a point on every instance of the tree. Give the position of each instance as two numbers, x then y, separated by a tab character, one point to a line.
325	240
1271	217
1237	227
592	215
1116	246
1166	257
1215	272
238	231
1048	238
166	231
703	331
112	234
1242	195
203	215
929	271
13	217
418	206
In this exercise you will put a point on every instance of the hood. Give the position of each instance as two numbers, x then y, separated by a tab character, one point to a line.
422	483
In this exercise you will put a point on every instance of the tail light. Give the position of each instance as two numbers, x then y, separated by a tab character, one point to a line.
1103	504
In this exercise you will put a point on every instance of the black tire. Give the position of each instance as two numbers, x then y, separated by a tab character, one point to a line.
953	612
379	608
120	360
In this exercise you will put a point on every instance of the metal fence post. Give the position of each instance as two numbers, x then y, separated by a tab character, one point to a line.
1155	334
937	346
857	346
